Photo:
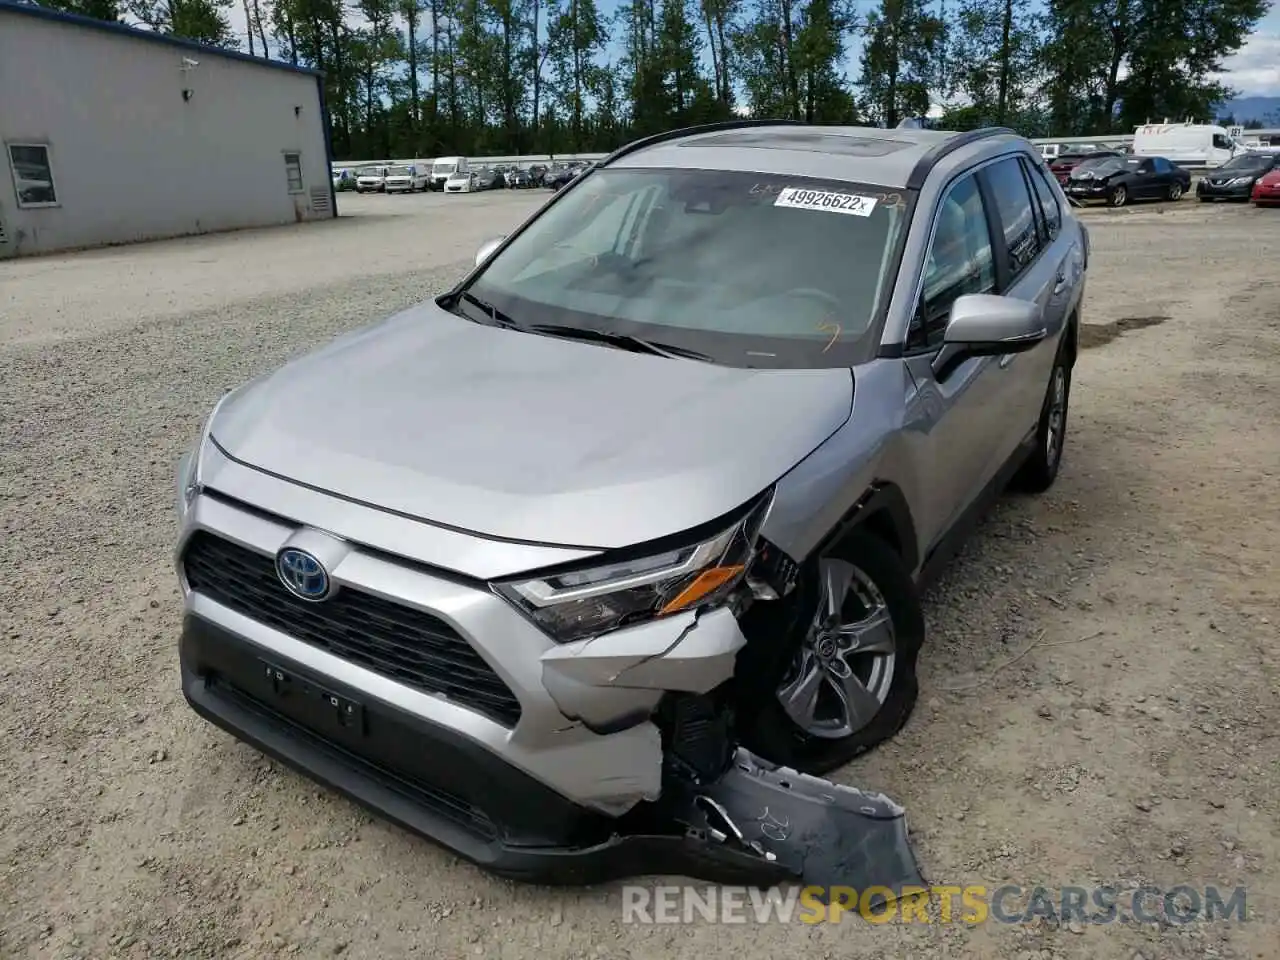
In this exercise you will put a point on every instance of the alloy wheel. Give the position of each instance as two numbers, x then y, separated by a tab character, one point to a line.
1175	192
844	669
1057	416
1119	196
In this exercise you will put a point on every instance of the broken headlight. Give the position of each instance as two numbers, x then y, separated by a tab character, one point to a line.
586	601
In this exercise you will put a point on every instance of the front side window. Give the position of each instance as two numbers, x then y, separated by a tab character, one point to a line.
1016	217
1050	212
750	269
1220	142
32	175
960	262
293	171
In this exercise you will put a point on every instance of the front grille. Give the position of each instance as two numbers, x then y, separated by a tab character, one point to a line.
403	644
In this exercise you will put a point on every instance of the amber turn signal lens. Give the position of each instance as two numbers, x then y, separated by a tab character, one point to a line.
706	582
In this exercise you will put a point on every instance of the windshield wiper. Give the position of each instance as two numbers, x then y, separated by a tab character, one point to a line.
497	316
623	341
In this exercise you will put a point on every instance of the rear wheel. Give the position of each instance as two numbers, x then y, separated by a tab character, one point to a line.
841	677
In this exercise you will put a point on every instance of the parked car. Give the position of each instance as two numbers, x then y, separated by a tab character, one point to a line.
1117	180
519	178
1266	189
491	178
344	179
371	180
537	172
1235	179
462	181
1064	163
562	652
446	168
558	177
406	179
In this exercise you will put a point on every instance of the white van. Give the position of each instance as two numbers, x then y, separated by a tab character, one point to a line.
446	167
1186	144
371	179
405	178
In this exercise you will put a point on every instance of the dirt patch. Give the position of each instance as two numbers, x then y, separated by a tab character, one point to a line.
1098	334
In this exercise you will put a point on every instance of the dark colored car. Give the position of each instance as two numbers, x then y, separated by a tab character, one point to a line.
519	179
1234	180
558	176
537	172
491	179
1063	164
1117	180
1266	192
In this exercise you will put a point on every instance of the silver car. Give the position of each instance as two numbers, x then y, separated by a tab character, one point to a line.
647	500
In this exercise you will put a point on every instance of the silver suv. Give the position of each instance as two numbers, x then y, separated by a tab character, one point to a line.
654	488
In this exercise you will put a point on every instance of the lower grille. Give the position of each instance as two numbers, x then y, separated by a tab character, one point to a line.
398	642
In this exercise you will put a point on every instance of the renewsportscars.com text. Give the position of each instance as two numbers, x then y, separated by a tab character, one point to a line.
938	904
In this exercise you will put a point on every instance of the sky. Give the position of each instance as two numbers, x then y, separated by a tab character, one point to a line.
1254	71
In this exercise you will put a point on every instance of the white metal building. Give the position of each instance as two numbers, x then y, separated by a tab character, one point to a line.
112	135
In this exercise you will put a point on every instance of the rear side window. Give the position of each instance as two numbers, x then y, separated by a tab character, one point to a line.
1050	212
960	261
1015	214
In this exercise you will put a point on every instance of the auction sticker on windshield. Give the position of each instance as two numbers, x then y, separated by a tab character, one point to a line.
800	199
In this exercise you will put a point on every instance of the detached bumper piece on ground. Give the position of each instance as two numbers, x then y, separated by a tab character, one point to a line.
724	815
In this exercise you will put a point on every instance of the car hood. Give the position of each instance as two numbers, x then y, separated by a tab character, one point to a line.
526	437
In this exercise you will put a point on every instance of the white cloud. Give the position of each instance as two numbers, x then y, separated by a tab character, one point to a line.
1255	70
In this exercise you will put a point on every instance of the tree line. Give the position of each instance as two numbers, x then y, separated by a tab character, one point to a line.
485	77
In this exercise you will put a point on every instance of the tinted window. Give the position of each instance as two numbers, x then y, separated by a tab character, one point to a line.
1050	212
960	261
1013	207
1221	142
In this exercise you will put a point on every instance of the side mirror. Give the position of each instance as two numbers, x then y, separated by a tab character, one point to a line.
487	248
987	325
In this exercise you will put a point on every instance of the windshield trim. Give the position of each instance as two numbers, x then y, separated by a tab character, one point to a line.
865	348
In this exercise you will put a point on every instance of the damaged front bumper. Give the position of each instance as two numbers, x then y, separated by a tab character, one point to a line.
721	814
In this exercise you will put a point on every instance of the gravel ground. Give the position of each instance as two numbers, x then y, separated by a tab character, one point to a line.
1099	693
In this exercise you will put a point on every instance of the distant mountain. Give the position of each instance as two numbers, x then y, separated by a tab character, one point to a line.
1265	110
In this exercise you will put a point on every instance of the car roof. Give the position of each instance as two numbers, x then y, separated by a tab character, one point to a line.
892	158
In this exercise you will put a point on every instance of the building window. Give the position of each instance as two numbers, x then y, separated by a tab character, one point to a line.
32	175
293	170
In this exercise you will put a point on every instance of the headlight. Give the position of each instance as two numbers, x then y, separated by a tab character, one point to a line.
1238	180
587	601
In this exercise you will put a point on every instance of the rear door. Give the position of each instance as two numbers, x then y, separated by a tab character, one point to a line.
1032	263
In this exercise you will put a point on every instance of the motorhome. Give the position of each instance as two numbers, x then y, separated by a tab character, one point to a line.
1187	144
446	167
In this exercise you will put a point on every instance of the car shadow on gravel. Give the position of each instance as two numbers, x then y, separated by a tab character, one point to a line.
1099	334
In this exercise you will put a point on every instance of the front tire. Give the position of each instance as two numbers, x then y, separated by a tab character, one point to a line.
1175	192
840	678
1119	196
1040	469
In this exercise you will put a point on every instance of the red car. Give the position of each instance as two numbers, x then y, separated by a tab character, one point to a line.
1266	190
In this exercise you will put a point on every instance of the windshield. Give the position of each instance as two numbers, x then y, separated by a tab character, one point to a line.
399	171
442	168
1248	161
371	173
748	269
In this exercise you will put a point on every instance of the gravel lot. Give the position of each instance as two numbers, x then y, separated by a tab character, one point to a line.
1099	695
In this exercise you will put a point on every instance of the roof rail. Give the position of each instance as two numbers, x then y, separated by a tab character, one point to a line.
935	154
657	138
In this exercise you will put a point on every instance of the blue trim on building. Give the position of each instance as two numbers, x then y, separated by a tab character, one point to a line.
123	30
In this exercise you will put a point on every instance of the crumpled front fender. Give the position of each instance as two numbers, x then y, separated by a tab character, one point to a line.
615	679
